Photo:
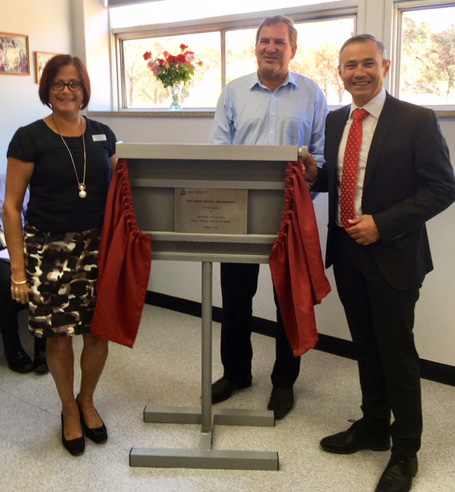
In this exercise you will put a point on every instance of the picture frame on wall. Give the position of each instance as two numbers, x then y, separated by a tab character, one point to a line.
41	58
14	54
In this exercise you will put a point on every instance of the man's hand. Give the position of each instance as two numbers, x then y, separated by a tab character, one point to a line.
309	168
364	230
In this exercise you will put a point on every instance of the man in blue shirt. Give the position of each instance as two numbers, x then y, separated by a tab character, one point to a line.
270	107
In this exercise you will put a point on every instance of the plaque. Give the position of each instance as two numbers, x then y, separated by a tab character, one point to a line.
211	211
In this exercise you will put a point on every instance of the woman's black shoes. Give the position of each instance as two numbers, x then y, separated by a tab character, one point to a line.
99	434
75	446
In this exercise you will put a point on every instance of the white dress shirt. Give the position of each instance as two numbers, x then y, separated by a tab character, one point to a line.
374	107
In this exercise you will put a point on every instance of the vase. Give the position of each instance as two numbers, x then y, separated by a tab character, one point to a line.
175	91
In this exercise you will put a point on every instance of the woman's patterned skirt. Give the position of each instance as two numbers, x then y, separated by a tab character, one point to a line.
62	269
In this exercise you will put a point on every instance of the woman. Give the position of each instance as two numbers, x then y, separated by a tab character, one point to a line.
67	161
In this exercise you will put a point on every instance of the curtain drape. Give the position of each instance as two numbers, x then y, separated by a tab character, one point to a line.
296	264
125	261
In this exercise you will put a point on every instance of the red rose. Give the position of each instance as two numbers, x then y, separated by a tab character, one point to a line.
183	46
147	55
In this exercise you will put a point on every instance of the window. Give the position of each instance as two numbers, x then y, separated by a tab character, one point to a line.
426	53
171	11
421	35
142	90
317	56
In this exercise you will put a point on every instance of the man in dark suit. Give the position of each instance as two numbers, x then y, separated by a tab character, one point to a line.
381	252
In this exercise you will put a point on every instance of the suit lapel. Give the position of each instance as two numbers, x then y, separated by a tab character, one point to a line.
337	124
385	122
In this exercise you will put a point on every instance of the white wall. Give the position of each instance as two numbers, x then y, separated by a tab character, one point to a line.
48	26
435	313
81	25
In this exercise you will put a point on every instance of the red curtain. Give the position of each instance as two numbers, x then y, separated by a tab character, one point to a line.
296	264
125	261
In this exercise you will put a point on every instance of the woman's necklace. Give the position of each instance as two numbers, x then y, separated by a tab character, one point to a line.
80	184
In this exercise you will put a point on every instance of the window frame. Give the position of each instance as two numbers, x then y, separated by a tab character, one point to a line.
393	32
309	13
389	30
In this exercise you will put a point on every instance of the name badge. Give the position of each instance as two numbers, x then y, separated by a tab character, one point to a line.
99	138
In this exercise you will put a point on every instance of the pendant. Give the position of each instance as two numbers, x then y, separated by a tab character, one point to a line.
82	192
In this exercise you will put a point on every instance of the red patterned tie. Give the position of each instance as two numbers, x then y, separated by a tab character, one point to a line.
351	167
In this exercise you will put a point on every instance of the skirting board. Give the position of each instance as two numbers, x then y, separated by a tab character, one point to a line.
433	371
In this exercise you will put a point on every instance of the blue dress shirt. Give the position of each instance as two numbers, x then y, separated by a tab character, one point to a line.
248	113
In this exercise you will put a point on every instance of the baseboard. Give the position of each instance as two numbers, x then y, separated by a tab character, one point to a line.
433	371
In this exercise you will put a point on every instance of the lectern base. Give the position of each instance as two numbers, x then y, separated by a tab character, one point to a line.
227	416
204	456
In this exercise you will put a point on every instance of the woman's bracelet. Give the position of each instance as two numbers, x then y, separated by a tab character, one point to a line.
22	282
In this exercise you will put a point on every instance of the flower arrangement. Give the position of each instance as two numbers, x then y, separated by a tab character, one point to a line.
172	69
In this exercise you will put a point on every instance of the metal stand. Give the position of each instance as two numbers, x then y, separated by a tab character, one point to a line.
204	456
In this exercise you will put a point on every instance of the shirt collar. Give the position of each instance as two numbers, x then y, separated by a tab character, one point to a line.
289	80
374	107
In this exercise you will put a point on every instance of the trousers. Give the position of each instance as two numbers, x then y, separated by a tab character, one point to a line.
381	321
9	309
238	286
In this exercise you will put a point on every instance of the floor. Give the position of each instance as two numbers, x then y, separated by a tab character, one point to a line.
164	369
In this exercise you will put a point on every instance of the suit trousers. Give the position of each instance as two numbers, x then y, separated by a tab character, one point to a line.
381	321
9	309
238	286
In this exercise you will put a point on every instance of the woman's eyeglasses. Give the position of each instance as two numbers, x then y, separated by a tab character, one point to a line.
73	85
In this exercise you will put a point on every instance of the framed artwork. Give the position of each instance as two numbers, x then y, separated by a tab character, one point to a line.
41	59
14	54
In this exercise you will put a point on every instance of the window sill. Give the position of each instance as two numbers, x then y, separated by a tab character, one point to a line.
445	113
184	113
208	113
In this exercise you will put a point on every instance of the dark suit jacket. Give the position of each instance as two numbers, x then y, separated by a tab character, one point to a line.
408	180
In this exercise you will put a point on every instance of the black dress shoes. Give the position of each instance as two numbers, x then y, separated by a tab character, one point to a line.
398	475
74	446
223	389
357	437
98	434
18	360
40	363
281	402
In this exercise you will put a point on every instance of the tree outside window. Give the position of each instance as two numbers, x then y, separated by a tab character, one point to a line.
427	68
